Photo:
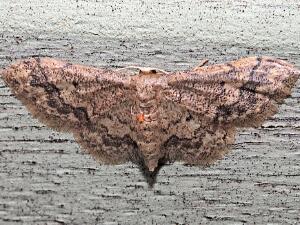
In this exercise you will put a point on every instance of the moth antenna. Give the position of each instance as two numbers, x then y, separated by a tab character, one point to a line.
144	69
162	71
128	67
202	63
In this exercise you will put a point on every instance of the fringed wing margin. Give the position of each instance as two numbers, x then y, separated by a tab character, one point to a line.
69	98
242	93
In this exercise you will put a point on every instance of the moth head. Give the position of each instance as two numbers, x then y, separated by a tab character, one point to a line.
151	72
144	71
147	71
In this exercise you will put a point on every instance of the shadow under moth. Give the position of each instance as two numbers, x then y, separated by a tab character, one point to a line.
149	116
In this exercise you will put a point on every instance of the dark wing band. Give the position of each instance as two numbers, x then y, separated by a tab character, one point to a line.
62	95
237	94
71	98
244	92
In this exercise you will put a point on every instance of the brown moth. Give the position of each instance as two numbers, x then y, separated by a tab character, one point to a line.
152	116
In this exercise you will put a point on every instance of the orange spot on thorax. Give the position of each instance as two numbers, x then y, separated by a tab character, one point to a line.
140	117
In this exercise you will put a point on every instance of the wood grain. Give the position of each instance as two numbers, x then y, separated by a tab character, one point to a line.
46	179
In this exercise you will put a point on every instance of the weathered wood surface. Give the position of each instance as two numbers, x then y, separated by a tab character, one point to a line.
46	179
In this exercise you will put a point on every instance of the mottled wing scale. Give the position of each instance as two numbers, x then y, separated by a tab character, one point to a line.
194	113
236	91
237	94
70	98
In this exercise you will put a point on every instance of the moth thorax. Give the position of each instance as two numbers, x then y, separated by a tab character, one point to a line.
147	105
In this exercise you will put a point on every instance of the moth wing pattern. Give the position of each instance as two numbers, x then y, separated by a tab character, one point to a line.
69	98
189	116
242	93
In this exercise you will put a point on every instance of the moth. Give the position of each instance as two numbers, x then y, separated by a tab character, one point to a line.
150	116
